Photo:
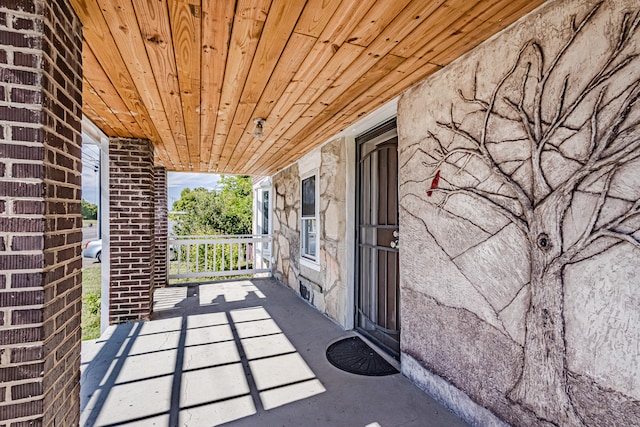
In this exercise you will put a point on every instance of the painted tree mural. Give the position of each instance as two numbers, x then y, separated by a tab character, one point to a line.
569	133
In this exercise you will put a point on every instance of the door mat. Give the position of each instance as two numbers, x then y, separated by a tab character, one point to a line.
355	356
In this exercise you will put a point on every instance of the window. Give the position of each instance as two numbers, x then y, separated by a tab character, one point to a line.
265	212
309	221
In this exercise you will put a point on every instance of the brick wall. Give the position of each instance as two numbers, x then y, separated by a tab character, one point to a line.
40	223
132	236
161	225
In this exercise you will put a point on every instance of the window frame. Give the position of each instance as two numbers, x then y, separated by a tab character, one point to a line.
305	254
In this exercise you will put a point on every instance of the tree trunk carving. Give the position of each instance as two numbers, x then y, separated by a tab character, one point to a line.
549	109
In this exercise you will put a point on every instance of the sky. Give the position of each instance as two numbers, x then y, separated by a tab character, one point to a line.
176	181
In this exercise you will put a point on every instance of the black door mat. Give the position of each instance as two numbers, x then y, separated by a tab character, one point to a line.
355	356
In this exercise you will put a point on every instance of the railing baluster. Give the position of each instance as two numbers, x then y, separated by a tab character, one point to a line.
189	262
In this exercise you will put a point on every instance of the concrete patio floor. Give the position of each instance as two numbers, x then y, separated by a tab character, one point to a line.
238	353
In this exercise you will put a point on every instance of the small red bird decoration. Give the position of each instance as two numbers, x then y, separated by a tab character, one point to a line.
434	183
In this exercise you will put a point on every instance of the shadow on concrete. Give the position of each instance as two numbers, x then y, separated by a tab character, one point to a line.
242	352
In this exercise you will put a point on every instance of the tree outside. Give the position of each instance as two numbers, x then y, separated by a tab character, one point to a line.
227	210
89	210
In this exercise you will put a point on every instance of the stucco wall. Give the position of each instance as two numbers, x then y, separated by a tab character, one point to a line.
526	293
325	287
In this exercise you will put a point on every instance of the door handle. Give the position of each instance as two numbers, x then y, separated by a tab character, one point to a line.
395	244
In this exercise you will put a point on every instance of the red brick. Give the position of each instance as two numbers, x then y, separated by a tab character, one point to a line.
20	336
21	262
26	354
36	422
27	243
28	207
21	298
26	317
26	390
27	170
21	410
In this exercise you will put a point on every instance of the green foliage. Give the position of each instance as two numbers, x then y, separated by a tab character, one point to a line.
89	210
91	290
210	212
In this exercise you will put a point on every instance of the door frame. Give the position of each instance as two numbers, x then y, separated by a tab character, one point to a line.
372	133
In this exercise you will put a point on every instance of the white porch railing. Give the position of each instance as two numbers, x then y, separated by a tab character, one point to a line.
218	256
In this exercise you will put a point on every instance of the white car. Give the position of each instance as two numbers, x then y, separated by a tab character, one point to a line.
93	249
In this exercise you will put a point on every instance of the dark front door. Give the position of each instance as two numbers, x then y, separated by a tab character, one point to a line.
378	298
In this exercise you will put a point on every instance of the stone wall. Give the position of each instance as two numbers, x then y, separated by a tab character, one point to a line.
325	288
520	188
40	215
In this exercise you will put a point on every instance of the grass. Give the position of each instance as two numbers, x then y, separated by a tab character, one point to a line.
91	289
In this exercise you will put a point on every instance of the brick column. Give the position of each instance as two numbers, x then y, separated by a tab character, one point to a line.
161	227
131	229
40	222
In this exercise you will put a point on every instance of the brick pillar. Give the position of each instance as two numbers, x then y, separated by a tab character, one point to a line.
161	227
40	222
131	229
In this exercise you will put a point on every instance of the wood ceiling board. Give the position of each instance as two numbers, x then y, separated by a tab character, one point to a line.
217	20
324	75
247	27
415	13
237	68
377	96
447	19
98	37
316	16
105	120
283	16
155	31
109	95
185	17
332	36
412	77
282	76
504	13
120	17
383	68
376	20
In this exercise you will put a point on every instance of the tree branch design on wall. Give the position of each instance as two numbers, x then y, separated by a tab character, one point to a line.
568	134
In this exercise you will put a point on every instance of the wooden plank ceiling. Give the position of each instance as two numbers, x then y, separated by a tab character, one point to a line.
191	75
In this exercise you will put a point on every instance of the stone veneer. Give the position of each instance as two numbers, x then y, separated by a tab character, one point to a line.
40	215
132	229
326	288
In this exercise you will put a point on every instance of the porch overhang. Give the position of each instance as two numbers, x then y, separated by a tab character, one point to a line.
191	76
